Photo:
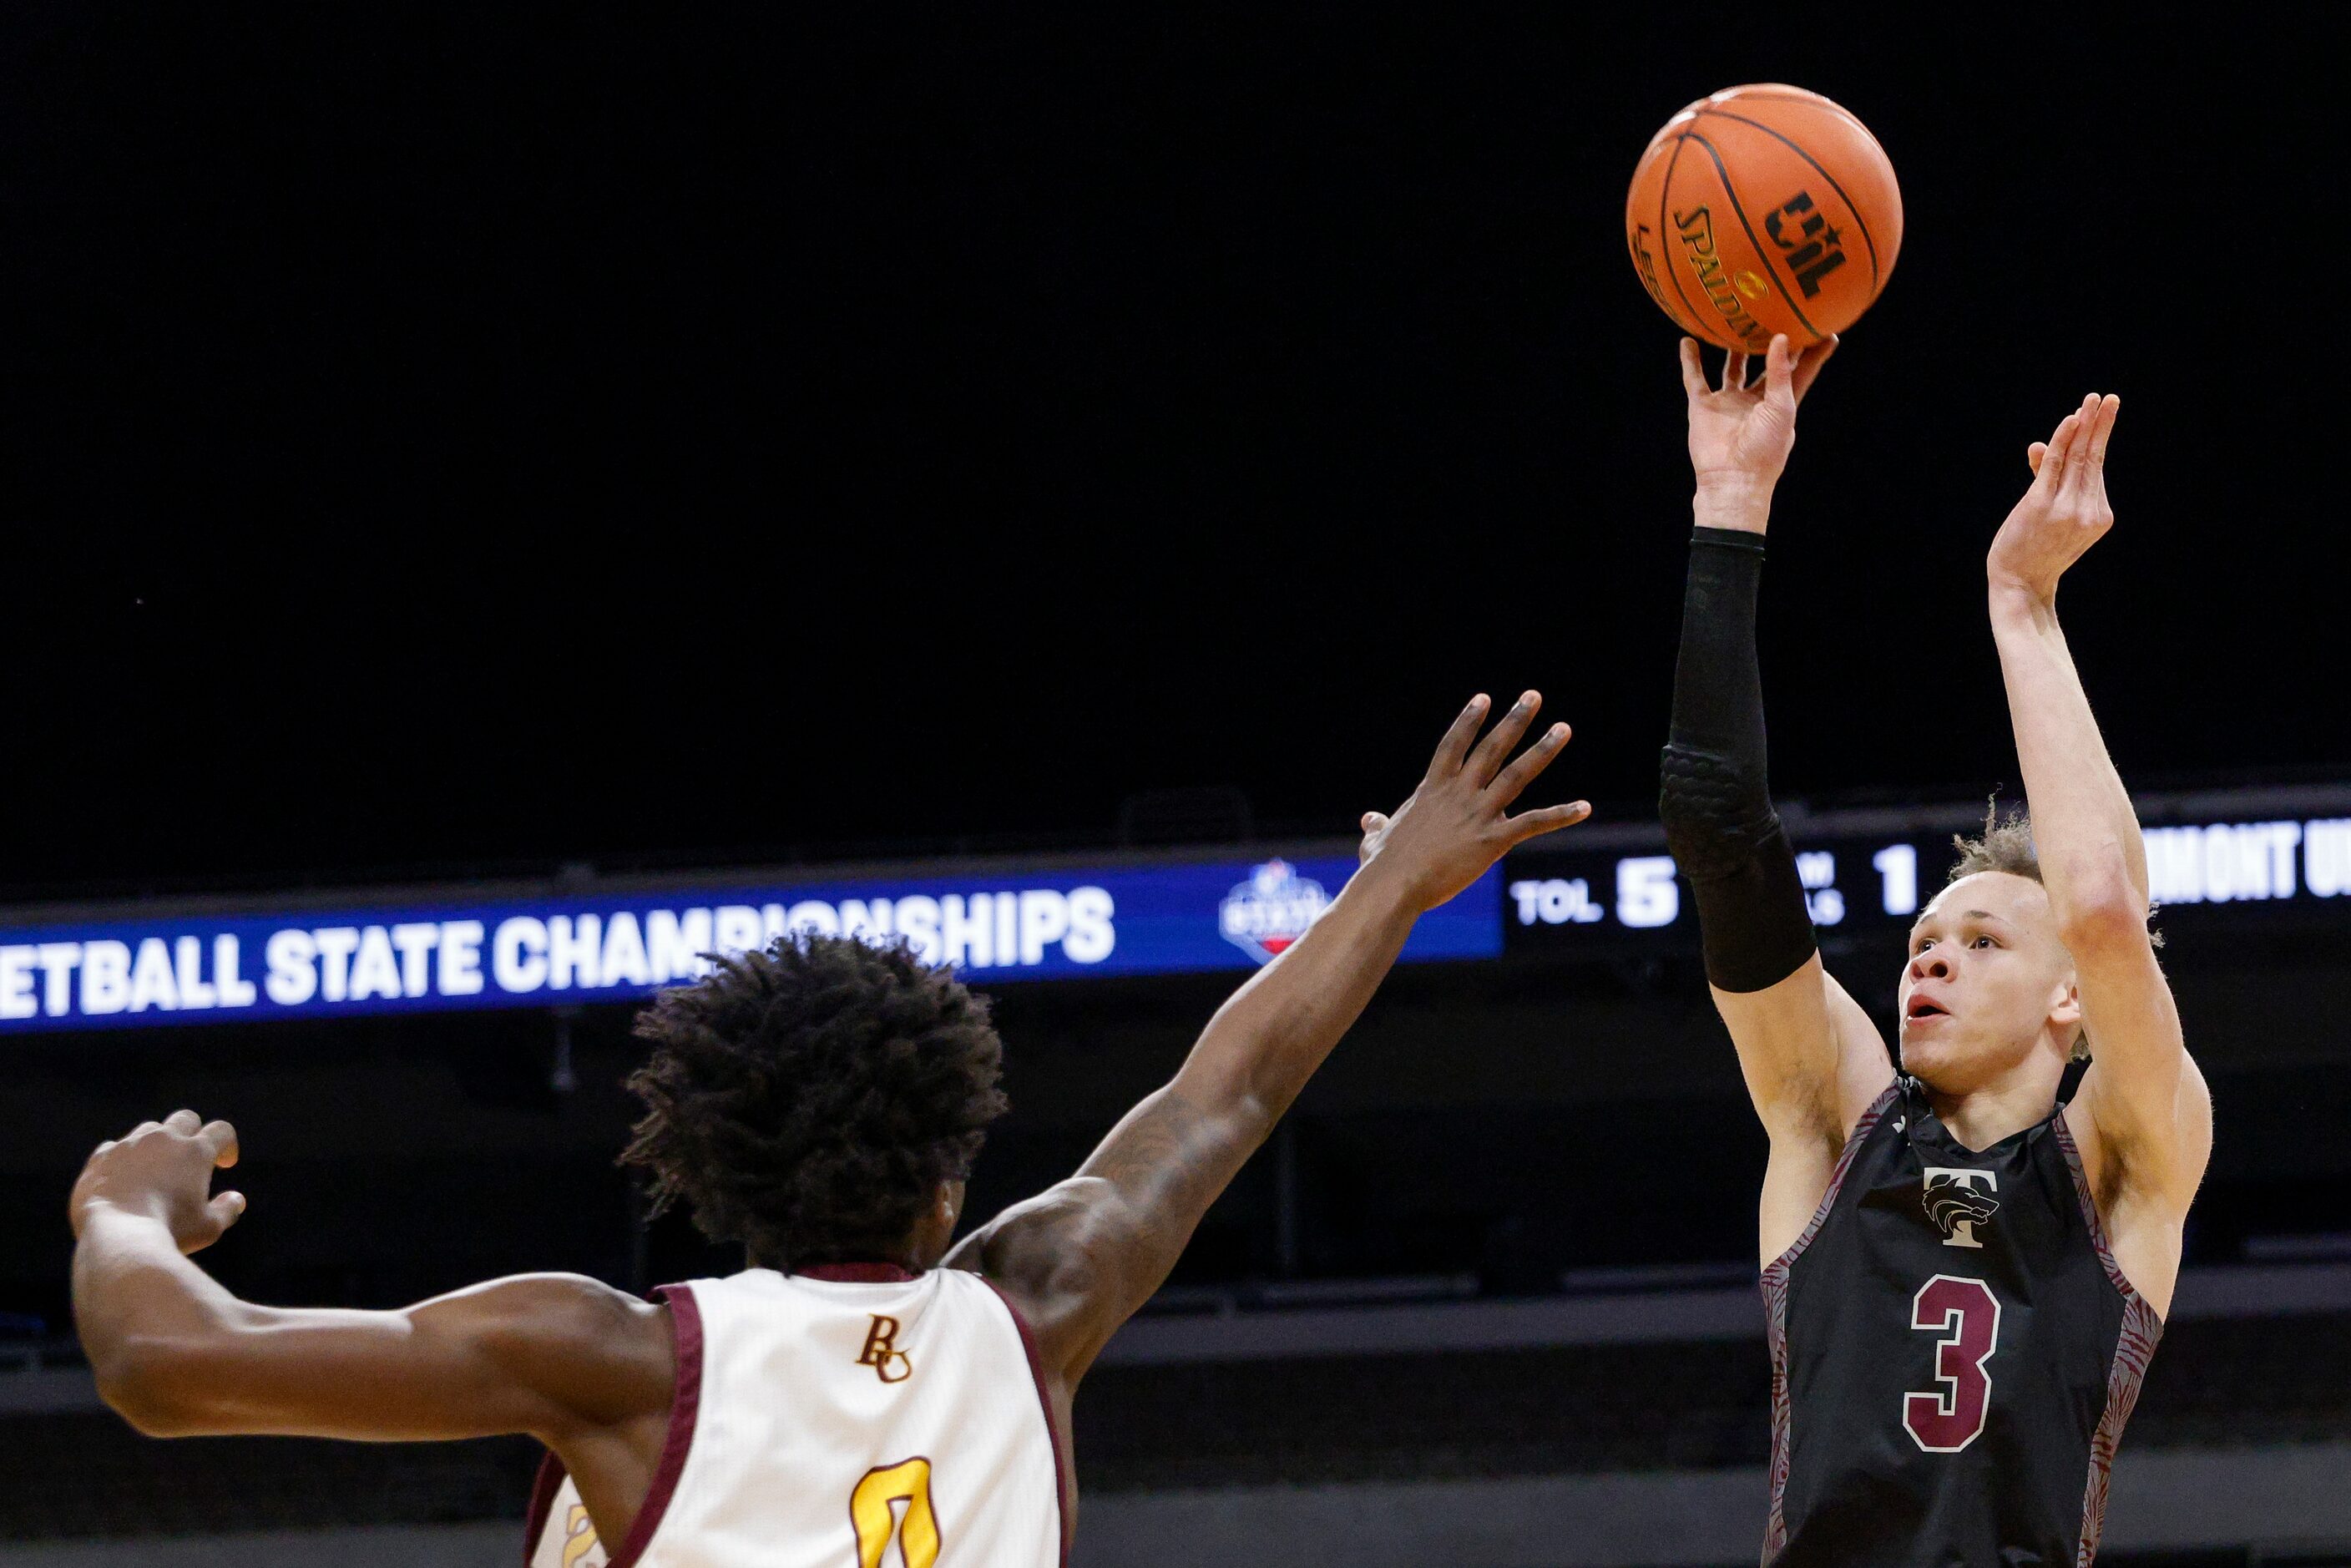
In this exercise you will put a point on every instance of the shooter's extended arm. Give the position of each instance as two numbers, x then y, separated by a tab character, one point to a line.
2148	1103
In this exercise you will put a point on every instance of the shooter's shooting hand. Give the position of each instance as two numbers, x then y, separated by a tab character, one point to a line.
2066	511
163	1170
1456	823
1740	435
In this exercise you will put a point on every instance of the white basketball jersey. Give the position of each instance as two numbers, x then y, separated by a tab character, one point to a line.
854	1417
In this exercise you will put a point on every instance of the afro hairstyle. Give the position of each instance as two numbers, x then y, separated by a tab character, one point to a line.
807	1099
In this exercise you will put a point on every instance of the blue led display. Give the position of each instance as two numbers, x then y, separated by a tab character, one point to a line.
609	948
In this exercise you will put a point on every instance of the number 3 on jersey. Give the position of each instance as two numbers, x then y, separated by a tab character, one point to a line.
873	1514
1967	1315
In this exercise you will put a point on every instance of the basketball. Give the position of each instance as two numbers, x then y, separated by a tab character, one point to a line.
1762	210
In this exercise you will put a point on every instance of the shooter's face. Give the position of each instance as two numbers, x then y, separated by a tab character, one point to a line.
1987	985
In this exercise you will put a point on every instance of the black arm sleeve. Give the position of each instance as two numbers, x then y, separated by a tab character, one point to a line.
1714	799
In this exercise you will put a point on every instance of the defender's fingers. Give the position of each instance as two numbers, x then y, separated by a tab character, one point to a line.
221	1138
1809	363
2034	452
226	1208
183	1123
1455	744
1547	819
1734	371
1373	822
1522	771
1502	740
1693	369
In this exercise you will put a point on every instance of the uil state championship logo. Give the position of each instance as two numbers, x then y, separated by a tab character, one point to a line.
1270	910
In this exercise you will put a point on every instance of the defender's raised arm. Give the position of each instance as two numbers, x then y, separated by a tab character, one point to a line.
1087	1253
2147	1128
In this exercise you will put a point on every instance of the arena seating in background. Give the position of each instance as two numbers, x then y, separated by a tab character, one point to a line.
2231	1383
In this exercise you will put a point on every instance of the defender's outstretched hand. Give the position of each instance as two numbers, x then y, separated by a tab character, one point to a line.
1087	1254
1457	822
163	1170
1740	435
2066	511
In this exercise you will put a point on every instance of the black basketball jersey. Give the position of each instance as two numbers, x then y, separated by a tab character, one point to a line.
1953	1353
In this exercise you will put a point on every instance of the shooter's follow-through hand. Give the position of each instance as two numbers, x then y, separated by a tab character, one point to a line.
2066	511
1457	822
1740	435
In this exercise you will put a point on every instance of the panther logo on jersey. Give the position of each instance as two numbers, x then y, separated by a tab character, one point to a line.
1958	1205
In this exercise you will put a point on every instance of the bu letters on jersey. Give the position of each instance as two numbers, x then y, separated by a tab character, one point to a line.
882	1352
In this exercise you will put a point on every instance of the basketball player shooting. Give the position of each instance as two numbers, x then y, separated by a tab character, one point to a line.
862	1386
1964	1275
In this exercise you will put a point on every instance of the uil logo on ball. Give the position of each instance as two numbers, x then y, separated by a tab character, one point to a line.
1814	247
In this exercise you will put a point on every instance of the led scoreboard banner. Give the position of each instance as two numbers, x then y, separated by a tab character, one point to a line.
2238	861
1565	901
1596	901
473	948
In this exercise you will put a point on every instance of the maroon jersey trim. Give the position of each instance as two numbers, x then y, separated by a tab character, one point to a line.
2134	1348
1063	1478
1775	1321
856	1273
542	1503
2090	1206
684	1407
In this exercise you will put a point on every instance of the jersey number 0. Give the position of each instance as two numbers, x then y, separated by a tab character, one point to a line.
874	1513
1967	1315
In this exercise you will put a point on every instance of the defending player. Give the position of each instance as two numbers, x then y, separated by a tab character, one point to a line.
861	1383
1964	1277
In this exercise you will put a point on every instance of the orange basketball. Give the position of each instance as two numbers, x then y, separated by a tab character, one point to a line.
1761	210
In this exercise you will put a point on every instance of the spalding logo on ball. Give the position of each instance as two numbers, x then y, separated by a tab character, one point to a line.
1762	210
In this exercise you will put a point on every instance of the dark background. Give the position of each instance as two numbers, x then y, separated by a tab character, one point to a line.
438	442
433	440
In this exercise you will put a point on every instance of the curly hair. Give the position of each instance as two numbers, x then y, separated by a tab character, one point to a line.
808	1099
2006	846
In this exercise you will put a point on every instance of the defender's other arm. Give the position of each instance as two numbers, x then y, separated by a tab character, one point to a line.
1083	1256
569	1360
2149	1111
1812	1059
